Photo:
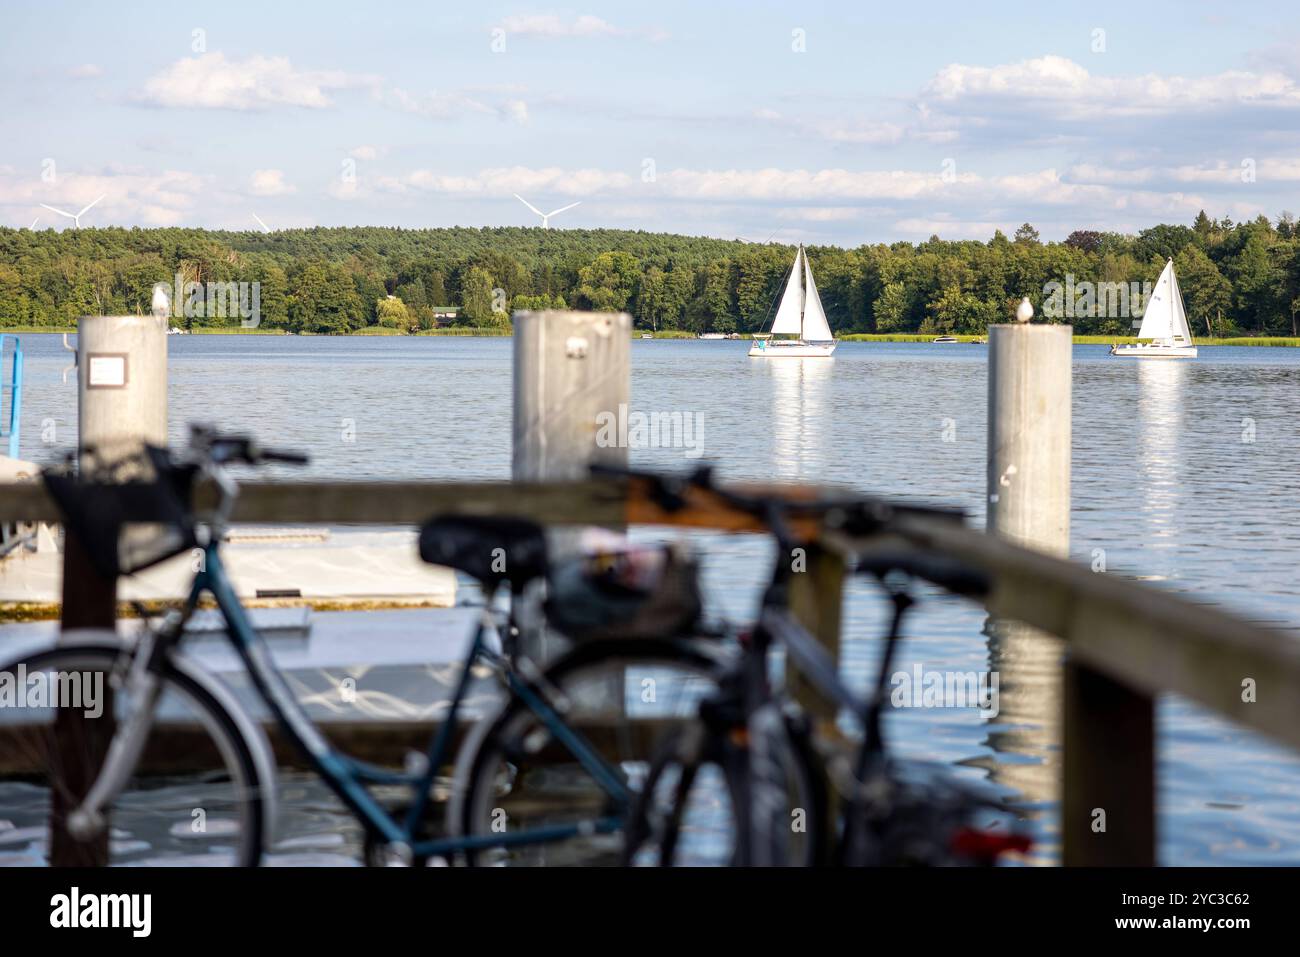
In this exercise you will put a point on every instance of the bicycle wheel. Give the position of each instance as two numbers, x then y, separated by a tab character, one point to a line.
517	780
674	805
776	788
194	798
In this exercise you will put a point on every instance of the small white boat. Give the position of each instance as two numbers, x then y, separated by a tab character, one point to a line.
646	335
800	314
1164	333
713	335
943	339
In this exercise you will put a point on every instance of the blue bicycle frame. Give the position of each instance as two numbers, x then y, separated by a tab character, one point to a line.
348	777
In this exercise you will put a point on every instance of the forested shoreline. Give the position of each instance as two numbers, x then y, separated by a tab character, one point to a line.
1236	279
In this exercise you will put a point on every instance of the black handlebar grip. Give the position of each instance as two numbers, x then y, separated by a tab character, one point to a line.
948	573
288	458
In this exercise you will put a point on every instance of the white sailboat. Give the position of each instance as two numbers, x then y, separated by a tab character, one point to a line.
800	314
1164	333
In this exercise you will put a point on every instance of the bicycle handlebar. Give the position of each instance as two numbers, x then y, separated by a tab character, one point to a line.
223	449
948	573
858	514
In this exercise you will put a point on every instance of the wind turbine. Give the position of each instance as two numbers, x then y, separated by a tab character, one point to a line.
546	217
75	217
265	228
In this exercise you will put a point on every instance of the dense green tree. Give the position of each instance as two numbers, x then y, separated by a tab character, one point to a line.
476	297
1242	277
392	313
1206	294
608	283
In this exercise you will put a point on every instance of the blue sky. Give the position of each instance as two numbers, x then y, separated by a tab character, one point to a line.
833	122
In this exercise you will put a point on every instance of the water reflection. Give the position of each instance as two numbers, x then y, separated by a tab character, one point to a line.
1159	464
801	415
1026	734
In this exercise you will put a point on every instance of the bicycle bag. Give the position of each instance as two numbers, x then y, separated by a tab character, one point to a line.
624	591
128	513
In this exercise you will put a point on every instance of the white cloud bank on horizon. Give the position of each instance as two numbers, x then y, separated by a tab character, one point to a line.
1062	84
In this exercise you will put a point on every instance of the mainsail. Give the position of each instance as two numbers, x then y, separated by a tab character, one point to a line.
1165	318
788	314
1181	331
800	312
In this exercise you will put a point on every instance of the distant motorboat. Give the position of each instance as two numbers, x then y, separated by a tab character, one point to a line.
1164	333
646	335
799	314
713	335
943	339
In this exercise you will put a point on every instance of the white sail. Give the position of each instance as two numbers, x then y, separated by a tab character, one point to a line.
1165	318
815	326
1180	314
789	312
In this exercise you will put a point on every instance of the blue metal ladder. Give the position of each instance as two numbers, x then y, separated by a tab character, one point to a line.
11	417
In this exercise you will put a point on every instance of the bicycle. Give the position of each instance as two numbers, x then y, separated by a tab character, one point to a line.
891	812
549	778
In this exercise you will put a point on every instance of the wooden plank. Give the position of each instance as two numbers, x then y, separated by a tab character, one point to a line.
586	502
1150	639
175	748
817	601
1108	794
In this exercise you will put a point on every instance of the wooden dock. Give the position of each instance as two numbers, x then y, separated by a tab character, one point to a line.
1124	642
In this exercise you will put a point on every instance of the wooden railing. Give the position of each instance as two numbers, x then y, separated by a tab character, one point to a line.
1125	642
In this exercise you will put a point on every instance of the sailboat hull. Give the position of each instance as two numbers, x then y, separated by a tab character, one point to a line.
790	349
1153	350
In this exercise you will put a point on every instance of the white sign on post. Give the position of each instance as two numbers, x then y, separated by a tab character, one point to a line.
106	371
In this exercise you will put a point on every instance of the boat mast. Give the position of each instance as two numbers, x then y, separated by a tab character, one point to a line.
803	289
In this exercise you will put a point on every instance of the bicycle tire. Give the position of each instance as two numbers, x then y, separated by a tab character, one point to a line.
807	779
494	741
29	746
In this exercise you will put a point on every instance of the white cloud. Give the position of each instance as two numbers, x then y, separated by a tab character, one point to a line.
820	214
1221	173
130	195
824	195
952	229
211	81
504	181
270	182
86	71
456	103
551	25
1067	88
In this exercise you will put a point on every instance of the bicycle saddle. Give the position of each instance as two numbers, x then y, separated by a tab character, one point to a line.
490	550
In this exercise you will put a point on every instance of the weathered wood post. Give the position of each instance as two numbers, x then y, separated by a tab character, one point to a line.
1107	783
572	375
121	400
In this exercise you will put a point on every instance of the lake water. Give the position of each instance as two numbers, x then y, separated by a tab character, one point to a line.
1186	474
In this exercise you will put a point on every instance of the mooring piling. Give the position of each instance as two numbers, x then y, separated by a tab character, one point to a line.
1029	429
121	402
